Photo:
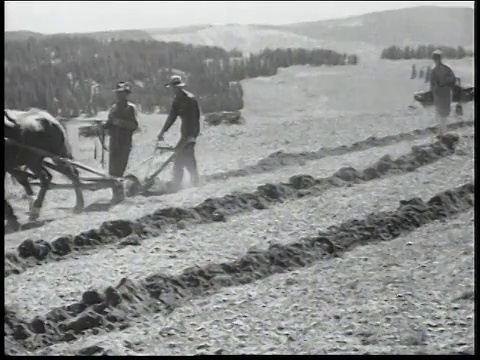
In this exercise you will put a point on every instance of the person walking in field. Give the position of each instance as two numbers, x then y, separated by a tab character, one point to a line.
186	106
121	124
442	80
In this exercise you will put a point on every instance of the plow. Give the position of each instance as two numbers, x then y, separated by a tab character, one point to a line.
131	184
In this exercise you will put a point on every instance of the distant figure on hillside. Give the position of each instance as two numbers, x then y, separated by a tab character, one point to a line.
121	124
414	72
420	74
186	106
442	80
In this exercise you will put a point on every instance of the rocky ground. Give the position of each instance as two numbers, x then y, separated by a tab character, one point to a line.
411	295
287	225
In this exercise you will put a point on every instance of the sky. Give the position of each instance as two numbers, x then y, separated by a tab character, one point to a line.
50	17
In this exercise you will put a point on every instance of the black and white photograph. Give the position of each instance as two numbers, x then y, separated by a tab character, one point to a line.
239	178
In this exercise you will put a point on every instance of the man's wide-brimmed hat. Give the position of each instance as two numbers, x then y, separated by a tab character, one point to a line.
438	53
175	80
123	87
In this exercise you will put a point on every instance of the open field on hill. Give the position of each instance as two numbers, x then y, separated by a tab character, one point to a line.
325	246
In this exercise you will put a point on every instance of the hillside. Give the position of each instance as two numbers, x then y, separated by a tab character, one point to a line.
136	35
246	38
101	35
365	35
177	30
22	35
425	24
255	38
369	33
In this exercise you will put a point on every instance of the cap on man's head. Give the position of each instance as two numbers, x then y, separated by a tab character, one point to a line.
123	87
176	81
437	53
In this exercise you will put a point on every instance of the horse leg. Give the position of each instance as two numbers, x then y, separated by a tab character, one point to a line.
12	221
72	174
22	179
45	178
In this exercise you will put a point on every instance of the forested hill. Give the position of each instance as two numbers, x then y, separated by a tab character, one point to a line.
70	75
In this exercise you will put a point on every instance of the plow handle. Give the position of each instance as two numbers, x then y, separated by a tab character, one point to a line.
164	165
168	161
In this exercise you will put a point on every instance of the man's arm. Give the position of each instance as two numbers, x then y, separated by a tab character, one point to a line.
172	116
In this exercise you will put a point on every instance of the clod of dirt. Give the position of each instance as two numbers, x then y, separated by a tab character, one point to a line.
83	240
91	297
347	174
217	216
38	249
130	241
38	325
182	225
26	248
118	228
85	322
450	140
301	181
90	350
21	332
61	245
112	297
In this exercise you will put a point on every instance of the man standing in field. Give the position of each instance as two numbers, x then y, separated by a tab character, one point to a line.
442	80
186	106
121	123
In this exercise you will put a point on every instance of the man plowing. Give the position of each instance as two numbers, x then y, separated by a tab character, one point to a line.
186	106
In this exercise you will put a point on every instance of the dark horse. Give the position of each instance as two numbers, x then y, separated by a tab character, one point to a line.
38	129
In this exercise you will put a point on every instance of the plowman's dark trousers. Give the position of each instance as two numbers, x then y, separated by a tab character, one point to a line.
185	158
120	147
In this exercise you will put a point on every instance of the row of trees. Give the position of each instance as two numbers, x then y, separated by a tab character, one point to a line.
72	75
423	52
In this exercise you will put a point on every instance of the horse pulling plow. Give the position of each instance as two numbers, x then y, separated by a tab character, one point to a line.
36	142
130	183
